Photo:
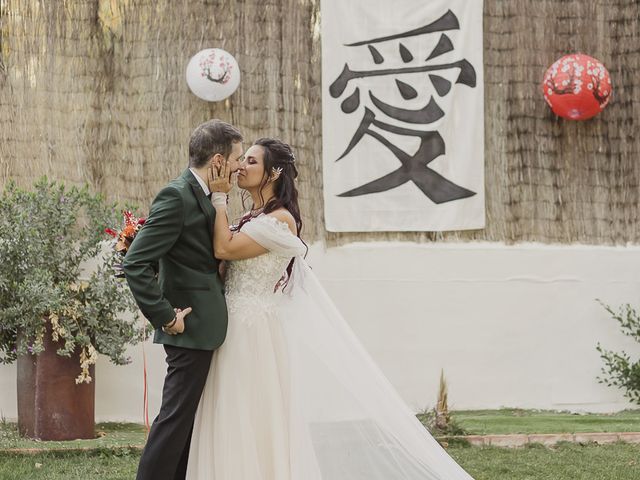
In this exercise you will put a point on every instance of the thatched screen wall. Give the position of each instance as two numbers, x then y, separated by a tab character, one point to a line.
94	91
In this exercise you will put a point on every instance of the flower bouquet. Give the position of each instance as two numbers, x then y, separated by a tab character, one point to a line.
130	229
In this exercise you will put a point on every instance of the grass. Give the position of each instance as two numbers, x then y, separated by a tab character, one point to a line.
109	435
483	422
112	459
479	422
70	466
564	462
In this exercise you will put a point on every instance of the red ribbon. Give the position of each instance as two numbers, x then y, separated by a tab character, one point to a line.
145	412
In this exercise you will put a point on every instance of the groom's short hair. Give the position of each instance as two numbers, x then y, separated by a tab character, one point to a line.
209	138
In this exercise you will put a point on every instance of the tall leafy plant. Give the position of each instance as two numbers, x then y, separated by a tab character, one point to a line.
47	235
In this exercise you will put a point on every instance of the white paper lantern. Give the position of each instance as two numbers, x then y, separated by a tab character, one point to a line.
213	74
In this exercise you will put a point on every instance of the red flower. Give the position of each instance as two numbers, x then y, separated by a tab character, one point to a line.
129	231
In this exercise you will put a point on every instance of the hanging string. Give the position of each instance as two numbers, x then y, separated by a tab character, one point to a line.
145	412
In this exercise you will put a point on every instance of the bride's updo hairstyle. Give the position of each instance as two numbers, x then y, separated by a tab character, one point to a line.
279	161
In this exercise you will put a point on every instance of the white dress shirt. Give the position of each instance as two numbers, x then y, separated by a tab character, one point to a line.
202	183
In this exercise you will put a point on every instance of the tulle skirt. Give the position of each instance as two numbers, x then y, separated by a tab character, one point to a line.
293	395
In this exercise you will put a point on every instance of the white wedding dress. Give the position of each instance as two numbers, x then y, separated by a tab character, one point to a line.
293	395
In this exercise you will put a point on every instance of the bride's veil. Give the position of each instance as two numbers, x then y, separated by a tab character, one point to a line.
346	420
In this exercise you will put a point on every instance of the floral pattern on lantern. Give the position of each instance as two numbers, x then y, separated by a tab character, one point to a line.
577	87
213	74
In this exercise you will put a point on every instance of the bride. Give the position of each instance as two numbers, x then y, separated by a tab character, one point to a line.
291	394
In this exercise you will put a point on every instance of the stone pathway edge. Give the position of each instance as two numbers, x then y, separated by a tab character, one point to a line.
548	439
508	441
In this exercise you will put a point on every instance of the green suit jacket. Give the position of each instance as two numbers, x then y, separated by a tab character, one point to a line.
176	240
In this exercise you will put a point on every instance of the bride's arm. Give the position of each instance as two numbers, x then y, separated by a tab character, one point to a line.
228	245
237	246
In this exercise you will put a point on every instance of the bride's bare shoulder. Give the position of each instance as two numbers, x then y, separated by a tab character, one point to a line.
285	216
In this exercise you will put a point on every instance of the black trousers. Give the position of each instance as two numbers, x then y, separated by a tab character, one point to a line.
167	450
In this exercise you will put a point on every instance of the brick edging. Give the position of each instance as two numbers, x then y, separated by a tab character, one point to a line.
37	451
520	440
507	440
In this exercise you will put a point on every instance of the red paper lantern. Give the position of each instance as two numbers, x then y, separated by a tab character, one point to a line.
577	87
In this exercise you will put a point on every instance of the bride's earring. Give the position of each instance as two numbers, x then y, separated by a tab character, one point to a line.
275	174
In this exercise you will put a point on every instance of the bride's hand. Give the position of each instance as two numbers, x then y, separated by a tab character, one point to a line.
219	178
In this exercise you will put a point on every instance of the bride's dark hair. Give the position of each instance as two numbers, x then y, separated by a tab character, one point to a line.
278	157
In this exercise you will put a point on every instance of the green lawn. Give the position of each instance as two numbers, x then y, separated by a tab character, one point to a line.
565	462
472	422
112	459
529	421
109	435
70	466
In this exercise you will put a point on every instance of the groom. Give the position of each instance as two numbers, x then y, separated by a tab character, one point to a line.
185	301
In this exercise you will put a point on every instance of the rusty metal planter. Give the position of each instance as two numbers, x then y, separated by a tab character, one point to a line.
50	404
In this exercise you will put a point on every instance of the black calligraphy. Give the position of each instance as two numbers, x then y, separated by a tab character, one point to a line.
414	168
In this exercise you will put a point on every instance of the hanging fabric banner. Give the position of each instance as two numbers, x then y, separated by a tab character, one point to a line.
402	114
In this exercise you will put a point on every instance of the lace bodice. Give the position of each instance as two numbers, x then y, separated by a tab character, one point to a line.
250	283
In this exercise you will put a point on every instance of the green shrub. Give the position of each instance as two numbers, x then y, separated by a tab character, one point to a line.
46	235
620	370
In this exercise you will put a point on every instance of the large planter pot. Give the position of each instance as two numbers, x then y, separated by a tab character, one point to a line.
50	404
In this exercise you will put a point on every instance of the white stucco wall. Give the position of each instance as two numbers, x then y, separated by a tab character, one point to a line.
512	326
